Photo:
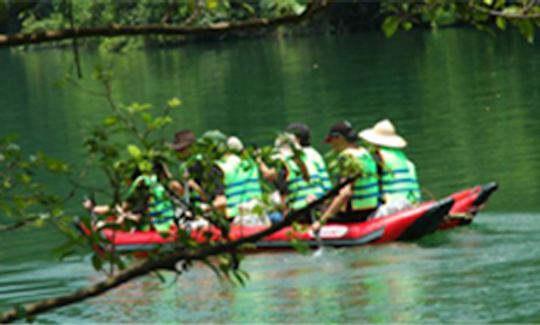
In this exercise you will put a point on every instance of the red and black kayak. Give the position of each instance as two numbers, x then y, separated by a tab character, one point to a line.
409	224
467	204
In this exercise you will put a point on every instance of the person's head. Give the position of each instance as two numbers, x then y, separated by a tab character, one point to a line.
234	145
301	132
285	143
215	140
383	133
182	142
341	135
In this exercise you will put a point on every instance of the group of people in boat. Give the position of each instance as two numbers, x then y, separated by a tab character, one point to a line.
385	179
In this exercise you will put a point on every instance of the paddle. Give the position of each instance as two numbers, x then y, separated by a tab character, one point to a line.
317	234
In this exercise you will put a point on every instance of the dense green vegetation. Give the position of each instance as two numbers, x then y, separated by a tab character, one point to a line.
329	17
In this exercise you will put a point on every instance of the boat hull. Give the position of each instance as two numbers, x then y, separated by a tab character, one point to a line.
406	225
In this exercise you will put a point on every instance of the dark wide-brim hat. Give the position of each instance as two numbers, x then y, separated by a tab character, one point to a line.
182	140
343	129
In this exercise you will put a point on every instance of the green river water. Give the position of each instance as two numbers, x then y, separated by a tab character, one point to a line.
466	103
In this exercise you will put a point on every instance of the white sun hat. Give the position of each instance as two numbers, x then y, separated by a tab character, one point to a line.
383	134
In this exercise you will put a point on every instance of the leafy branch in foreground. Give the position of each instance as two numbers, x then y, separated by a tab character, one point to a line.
169	261
130	140
24	196
521	14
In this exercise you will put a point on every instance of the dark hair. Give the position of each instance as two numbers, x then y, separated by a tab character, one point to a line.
302	133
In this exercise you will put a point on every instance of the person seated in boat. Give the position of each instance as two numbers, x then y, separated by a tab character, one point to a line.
303	178
320	172
357	201
396	173
237	192
147	203
190	169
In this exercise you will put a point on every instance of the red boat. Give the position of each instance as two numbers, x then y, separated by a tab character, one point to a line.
467	204
409	224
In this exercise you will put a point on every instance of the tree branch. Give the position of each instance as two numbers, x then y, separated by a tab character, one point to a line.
312	8
522	15
166	262
18	224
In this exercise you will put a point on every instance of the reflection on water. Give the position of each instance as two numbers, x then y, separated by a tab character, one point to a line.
465	102
482	271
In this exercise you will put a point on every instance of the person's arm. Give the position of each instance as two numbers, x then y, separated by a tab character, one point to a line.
197	188
220	203
219	200
339	201
97	209
281	185
268	173
176	187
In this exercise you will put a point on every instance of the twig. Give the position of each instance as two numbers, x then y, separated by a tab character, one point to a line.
75	42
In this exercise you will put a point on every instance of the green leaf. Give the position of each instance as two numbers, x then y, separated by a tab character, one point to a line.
526	28
248	8
212	4
300	246
488	2
511	10
97	262
160	277
390	26
21	311
110	121
239	278
174	102
7	184
26	179
138	107
147	117
145	166
39	222
501	23
134	151
161	121
407	25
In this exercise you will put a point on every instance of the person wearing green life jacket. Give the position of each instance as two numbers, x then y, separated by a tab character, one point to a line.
147	202
295	186
160	210
240	190
357	201
397	176
315	159
304	177
190	169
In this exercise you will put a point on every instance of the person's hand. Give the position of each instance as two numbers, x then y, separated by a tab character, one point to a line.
88	204
316	226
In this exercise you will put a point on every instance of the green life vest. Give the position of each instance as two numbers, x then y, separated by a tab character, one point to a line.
191	196
298	189
160	208
399	180
366	191
320	165
241	181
